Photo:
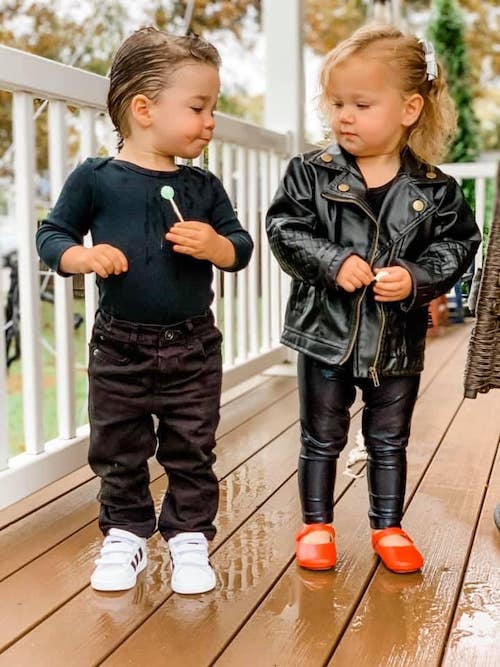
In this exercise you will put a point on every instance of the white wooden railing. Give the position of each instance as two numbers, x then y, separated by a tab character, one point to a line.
248	306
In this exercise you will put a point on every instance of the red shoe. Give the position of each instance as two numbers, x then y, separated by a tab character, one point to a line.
400	559
316	556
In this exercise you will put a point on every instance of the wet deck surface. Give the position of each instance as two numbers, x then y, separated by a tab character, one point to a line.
265	611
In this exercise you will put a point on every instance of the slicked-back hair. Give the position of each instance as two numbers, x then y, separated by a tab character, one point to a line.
144	64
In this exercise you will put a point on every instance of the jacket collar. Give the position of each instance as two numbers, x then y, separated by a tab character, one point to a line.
336	159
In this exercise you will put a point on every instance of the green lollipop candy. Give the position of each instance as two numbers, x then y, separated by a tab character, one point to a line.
167	192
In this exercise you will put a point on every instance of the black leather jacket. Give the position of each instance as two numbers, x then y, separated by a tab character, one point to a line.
319	217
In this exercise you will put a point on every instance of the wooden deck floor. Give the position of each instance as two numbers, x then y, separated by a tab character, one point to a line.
266	611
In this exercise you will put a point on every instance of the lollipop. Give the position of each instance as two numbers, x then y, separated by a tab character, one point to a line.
167	192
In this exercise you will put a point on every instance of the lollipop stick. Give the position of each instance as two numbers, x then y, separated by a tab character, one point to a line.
167	192
176	210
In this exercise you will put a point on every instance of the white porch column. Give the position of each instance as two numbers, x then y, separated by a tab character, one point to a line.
284	99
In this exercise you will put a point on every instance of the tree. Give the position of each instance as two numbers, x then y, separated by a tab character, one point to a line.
327	22
447	31
207	15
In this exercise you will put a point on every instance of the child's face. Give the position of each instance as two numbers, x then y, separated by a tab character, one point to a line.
368	113
182	121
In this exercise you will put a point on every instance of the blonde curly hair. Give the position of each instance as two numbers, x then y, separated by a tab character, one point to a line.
431	134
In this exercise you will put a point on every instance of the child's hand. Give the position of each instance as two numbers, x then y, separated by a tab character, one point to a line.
354	273
200	240
395	285
102	259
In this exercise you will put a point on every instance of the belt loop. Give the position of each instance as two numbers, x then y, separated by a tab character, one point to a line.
188	337
132	339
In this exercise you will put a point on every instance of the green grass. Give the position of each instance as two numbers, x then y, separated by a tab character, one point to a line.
14	383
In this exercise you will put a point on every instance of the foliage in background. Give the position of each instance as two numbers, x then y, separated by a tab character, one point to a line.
447	32
207	15
327	22
483	28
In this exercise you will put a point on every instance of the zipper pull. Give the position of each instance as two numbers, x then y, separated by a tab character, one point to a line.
372	372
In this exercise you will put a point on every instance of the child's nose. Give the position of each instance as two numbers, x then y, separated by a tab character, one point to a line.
346	115
210	122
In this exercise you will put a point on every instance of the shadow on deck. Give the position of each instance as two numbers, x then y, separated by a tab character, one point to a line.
265	611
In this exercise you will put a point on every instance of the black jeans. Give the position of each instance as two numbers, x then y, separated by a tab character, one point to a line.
173	372
326	394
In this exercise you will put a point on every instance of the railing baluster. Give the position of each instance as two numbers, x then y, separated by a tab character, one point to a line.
252	273
275	269
265	252
213	165
227	179
242	277
285	280
29	286
88	147
63	287
480	194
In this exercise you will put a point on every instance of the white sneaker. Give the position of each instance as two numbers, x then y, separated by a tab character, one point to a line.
191	569
123	556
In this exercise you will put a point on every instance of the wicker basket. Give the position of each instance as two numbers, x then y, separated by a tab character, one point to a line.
482	371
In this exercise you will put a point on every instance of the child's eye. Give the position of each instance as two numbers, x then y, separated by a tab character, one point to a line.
363	106
197	109
337	105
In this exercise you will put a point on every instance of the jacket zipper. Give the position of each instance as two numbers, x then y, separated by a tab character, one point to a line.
360	298
372	371
373	368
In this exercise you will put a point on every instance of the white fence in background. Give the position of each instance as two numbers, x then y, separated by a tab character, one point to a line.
248	306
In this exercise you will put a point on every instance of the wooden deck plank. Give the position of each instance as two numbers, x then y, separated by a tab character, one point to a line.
28	538
53	576
408	617
475	631
306	613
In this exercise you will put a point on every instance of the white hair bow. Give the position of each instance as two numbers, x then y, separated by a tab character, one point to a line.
430	59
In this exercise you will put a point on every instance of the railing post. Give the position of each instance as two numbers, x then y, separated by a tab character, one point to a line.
284	98
29	284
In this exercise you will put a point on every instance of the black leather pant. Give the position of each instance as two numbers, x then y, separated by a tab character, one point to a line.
326	394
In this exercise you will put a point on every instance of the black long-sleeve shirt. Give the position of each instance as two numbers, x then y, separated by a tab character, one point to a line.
120	204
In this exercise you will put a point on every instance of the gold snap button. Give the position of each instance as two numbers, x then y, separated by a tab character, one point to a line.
326	157
343	187
431	174
418	205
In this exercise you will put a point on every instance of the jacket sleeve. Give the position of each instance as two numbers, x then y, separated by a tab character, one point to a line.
293	230
450	253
